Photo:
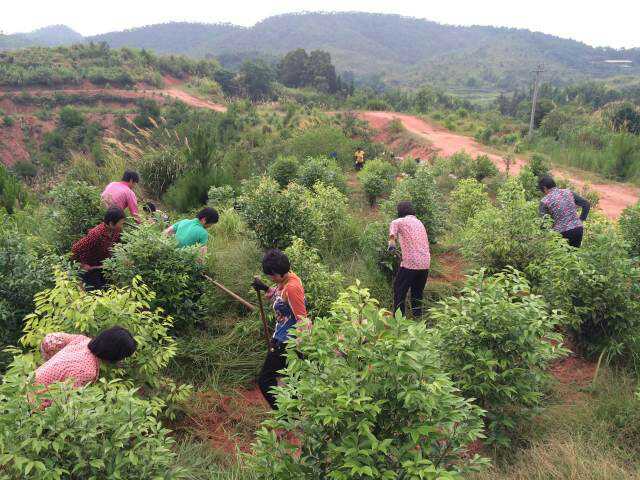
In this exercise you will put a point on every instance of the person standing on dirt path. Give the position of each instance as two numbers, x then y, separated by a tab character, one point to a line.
416	258
289	305
96	246
193	231
121	194
561	205
359	157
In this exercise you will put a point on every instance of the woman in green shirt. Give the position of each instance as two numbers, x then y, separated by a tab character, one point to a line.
193	231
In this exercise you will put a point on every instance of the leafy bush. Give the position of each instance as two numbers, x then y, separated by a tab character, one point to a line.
321	141
325	170
221	198
598	287
358	415
468	198
483	168
191	190
321	286
510	233
100	431
70	117
423	193
76	208
377	179
173	273
68	308
161	168
409	166
497	340
25	269
284	170
12	194
630	227
373	245
25	169
539	165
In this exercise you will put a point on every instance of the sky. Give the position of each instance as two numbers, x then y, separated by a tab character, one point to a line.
612	23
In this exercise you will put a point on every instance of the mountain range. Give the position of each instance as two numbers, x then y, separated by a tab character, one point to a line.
398	50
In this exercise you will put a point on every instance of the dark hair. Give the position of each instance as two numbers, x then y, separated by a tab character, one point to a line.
405	208
546	182
209	214
113	344
275	262
149	207
131	176
113	215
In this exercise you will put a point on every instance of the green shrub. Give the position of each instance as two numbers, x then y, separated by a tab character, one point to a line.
510	233
377	179
359	415
529	183
483	168
598	287
539	165
321	286
373	245
69	117
191	190
284	170
324	170
160	169
67	308
320	142
75	209
174	274
8	121
100	431
409	166
25	269
630	227
25	169
221	198
12	194
468	198
497	340
422	191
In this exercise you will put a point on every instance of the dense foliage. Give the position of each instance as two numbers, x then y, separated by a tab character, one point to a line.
377	179
630	227
497	340
356	414
468	198
174	274
99	431
598	287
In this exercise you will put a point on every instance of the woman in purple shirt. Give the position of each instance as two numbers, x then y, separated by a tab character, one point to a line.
562	205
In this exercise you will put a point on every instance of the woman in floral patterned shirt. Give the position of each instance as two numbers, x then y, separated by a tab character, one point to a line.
562	205
77	358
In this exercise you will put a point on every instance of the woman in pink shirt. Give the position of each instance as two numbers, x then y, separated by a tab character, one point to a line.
78	357
416	258
121	194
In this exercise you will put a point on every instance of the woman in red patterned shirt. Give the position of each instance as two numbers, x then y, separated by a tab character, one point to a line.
95	247
77	357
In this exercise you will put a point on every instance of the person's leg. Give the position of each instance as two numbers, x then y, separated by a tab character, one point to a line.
268	378
401	286
418	283
93	280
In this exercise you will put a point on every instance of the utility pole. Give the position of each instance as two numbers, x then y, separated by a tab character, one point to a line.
536	85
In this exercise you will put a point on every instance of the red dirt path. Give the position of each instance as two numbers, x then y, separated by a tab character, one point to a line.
614	197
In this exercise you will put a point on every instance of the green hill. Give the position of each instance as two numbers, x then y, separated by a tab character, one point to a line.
402	50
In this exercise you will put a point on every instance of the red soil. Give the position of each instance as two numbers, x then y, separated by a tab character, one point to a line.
613	197
574	370
228	421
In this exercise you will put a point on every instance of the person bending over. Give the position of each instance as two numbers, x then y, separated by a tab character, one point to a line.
193	231
416	258
289	305
96	246
78	357
561	205
121	194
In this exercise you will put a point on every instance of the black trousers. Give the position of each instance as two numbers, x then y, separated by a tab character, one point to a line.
574	236
359	166
414	280
93	280
276	360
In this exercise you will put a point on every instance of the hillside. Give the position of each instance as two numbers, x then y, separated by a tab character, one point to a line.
404	51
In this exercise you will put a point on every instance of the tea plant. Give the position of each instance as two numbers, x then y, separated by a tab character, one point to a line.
99	431
377	177
369	400
630	227
284	170
468	198
497	340
324	170
174	274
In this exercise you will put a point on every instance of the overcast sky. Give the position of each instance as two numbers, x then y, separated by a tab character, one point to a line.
612	23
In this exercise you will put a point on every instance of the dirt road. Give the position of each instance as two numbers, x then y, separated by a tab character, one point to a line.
614	197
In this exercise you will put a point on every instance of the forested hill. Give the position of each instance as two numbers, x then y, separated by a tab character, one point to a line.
402	50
